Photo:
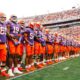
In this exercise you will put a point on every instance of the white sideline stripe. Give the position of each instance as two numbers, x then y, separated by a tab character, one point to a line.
37	70
66	68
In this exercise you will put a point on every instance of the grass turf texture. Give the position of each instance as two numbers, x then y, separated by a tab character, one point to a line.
56	72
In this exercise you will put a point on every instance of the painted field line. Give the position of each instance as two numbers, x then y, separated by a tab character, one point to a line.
38	69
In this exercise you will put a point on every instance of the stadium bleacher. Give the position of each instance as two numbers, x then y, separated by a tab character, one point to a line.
53	17
73	32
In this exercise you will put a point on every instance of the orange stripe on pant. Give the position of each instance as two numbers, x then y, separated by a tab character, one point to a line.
3	52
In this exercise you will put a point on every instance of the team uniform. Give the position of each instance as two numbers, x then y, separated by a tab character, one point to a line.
29	45
3	51
37	40
29	41
49	47
57	47
75	49
13	45
42	48
57	41
22	40
40	42
3	45
43	43
63	48
22	45
49	44
39	45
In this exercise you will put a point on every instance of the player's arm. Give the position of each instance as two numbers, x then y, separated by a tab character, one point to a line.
20	36
46	38
10	36
25	37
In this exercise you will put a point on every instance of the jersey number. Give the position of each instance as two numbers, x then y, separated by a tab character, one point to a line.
2	30
16	30
31	36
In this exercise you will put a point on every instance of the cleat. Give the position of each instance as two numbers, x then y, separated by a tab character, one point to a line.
51	62
67	57
20	69
12	69
47	63
60	58
17	71
64	58
43	64
33	68
3	73
28	69
10	73
56	60
39	66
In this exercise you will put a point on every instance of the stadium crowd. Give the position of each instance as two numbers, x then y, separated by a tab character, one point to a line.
74	13
41	46
73	31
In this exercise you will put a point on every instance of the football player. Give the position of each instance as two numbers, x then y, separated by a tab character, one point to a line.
49	46
14	41
3	40
29	44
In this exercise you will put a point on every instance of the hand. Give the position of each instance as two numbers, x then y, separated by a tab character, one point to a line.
16	43
19	42
11	35
6	46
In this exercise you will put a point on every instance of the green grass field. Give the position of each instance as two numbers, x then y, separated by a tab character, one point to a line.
68	70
